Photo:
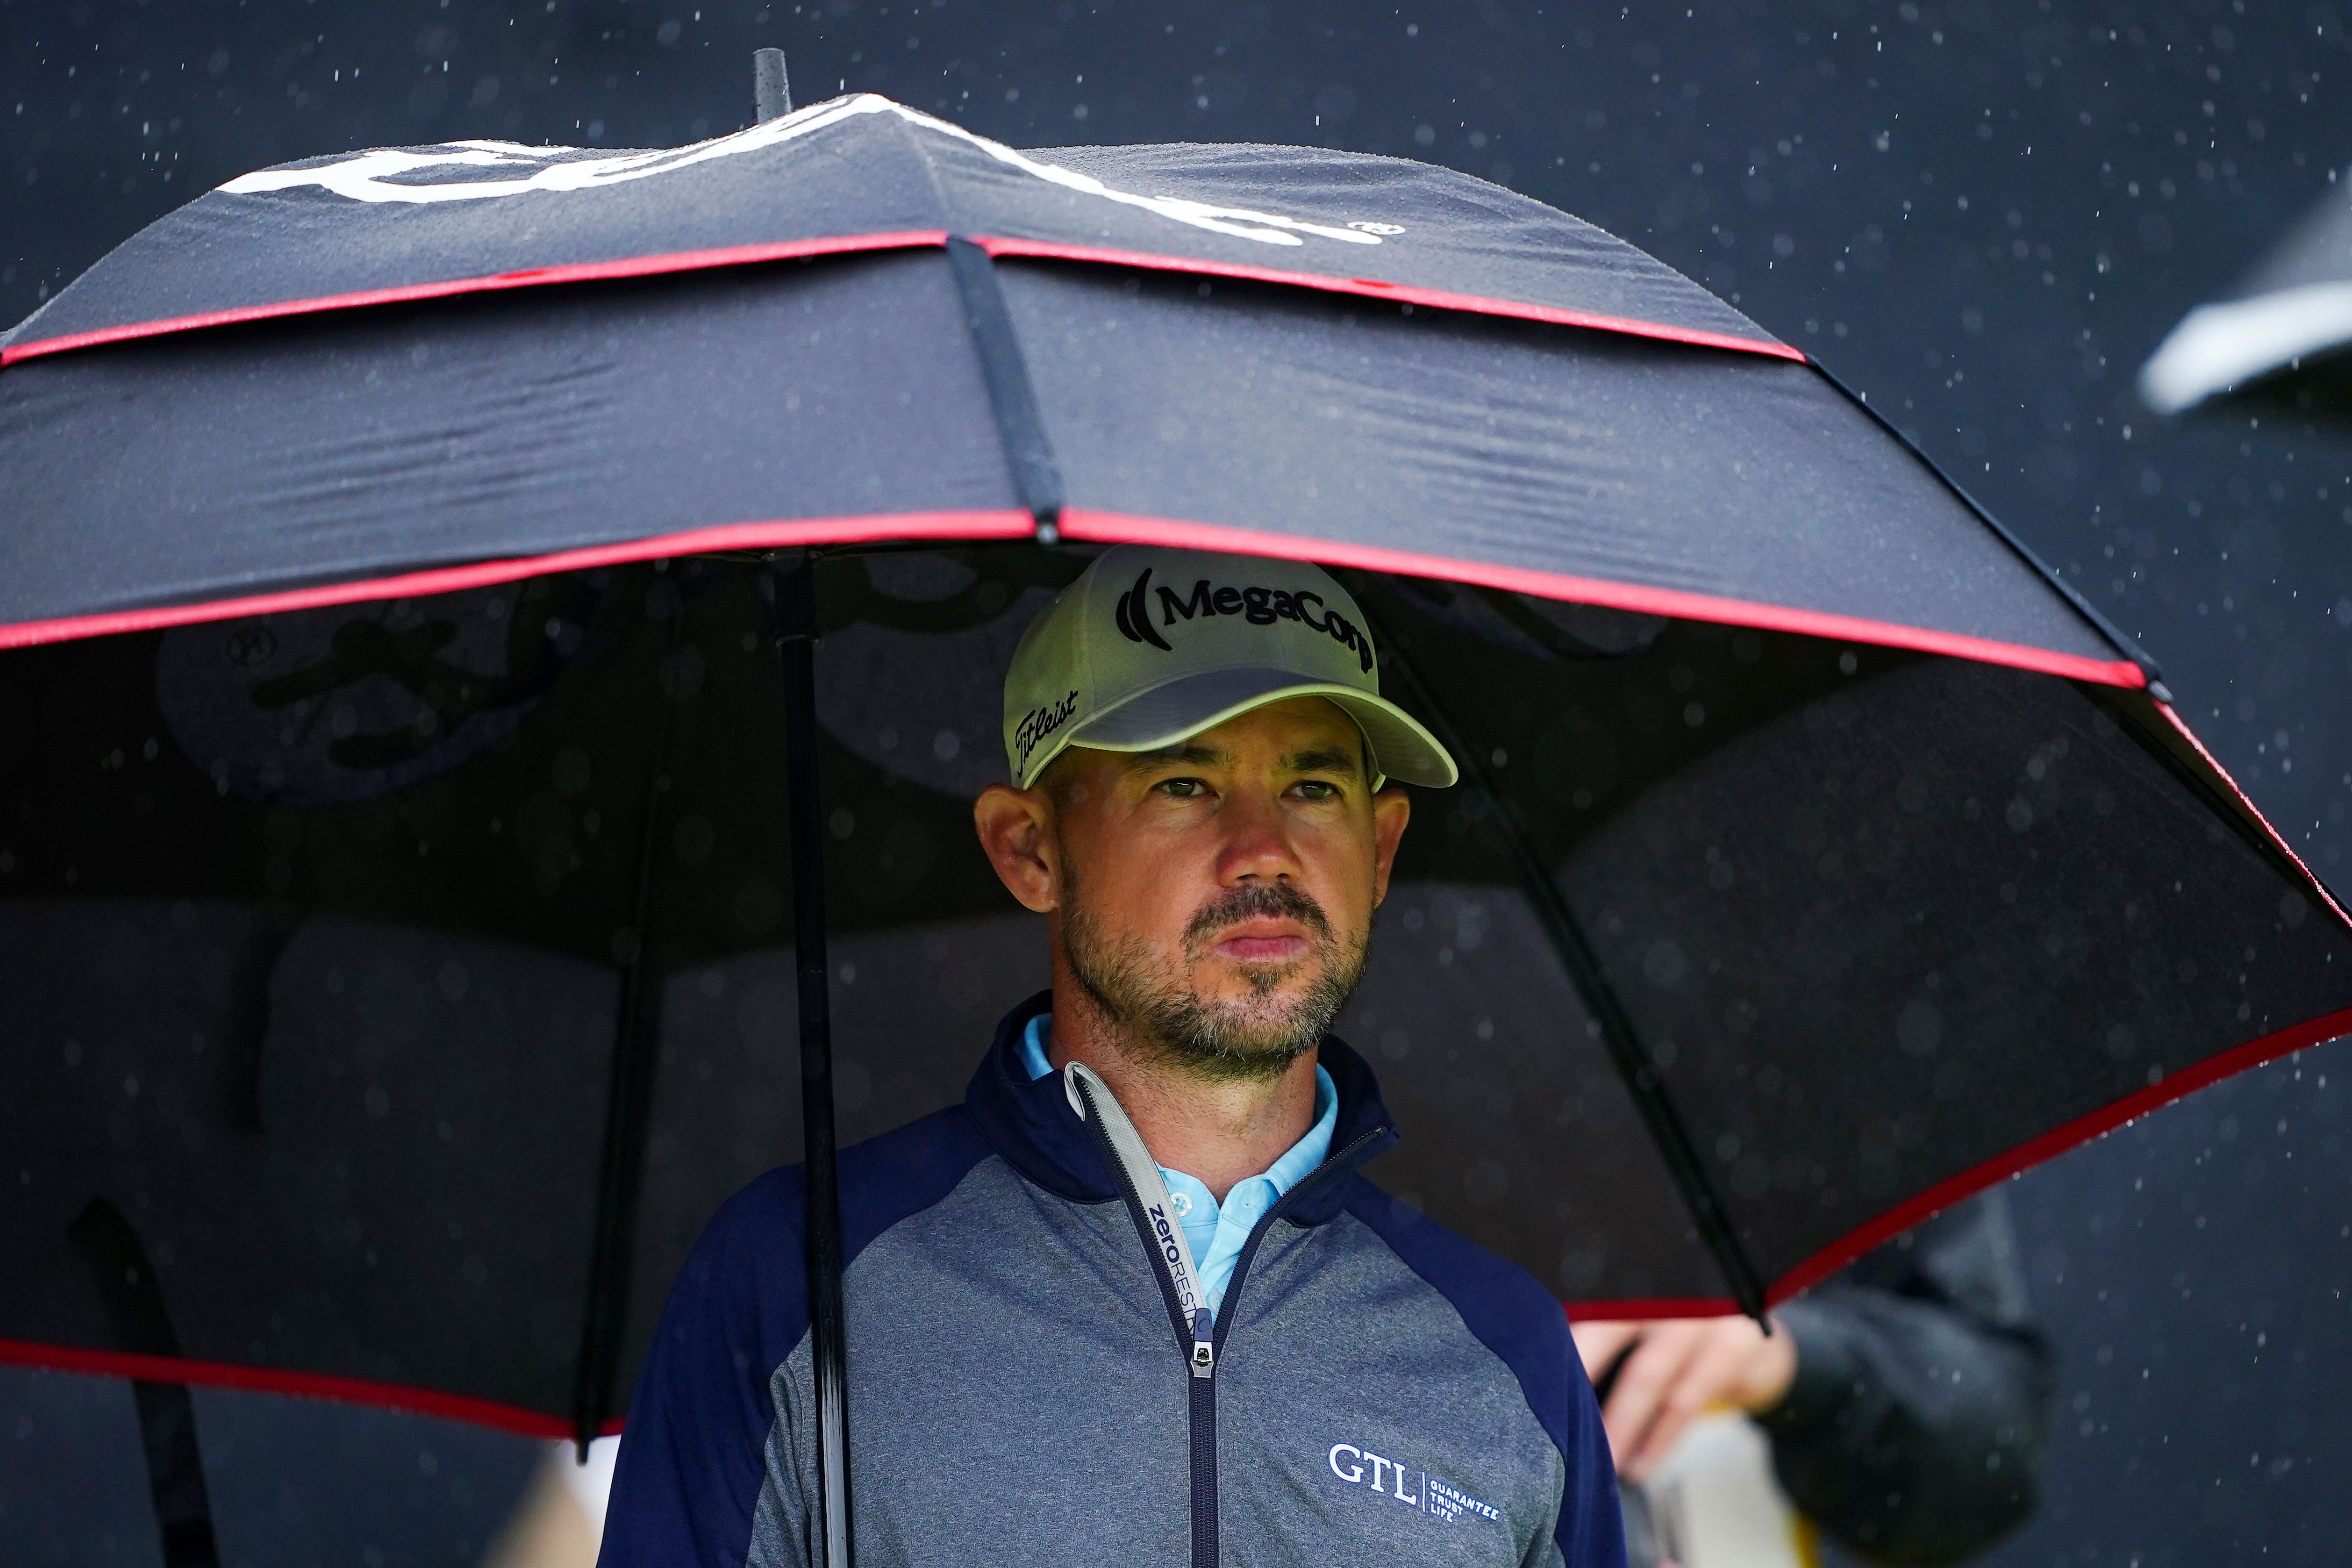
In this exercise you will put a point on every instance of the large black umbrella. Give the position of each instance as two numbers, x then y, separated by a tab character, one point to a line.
403	950
2283	334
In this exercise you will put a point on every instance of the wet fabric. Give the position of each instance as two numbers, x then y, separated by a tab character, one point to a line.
280	455
860	168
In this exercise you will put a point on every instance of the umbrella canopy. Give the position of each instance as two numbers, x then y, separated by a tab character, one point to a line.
395	865
2284	328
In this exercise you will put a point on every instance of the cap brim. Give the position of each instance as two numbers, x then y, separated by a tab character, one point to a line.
1180	709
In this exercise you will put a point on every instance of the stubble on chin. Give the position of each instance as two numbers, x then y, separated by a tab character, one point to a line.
1158	1013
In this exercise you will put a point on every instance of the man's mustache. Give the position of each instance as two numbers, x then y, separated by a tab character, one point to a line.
1252	901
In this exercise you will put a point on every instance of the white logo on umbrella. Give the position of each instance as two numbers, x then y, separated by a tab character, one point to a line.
370	176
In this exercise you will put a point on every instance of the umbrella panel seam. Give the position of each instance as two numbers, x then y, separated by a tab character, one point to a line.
2277	840
1012	395
665	264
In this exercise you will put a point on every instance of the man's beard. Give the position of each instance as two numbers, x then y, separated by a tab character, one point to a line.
1151	1001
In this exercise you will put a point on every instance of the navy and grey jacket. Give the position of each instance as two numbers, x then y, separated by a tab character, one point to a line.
1020	1393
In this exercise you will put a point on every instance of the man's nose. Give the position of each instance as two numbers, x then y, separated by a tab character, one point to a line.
1257	844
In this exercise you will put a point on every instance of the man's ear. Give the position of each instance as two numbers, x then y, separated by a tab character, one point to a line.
1017	833
1392	809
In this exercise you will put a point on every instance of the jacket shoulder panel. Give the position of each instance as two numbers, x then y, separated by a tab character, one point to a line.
1508	1311
687	1482
1015	1396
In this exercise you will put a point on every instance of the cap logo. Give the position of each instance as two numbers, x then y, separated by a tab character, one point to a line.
1134	615
1040	722
1261	606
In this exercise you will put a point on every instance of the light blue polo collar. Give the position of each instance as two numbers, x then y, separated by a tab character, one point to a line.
1215	1232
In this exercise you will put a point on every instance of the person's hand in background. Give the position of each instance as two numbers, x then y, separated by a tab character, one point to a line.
1672	1369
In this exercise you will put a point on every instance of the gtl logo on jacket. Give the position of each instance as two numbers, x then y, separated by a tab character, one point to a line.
1262	606
1416	1488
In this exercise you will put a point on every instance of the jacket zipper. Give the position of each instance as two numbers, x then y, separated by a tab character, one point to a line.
1197	1343
1199	1340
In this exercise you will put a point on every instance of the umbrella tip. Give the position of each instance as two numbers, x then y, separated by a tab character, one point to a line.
772	89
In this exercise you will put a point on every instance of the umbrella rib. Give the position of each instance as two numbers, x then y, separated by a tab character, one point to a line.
628	1121
1623	1043
791	593
133	1298
1012	397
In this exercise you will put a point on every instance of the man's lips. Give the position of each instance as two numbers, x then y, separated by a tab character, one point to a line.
1261	941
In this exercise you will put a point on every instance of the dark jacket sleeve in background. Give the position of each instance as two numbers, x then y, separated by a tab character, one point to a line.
1915	1428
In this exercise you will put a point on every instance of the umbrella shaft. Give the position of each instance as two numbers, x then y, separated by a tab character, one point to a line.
772	87
793	598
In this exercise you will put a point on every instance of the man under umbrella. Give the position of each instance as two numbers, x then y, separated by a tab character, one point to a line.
1131	1301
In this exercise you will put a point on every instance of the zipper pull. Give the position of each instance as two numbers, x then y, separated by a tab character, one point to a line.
1204	1347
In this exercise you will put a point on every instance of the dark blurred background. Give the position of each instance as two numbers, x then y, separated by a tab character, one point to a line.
1984	215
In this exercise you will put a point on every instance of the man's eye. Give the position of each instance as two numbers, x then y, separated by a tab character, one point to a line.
1316	789
1183	789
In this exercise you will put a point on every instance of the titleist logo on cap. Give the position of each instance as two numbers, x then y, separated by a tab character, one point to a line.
1259	605
1041	722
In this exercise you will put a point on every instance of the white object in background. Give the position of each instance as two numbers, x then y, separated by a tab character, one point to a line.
1717	1504
559	1522
591	1483
2217	346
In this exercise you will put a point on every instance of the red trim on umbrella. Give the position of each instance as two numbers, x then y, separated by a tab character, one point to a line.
1641	1309
1118	528
2056	1141
940	525
838	245
1373	287
527	278
1793	1282
2254	811
1102	527
300	1384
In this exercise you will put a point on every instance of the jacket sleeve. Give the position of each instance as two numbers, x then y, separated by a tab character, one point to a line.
1915	1429
1517	1319
695	1453
1591	1529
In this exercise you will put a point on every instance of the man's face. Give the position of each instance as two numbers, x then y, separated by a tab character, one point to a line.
1215	898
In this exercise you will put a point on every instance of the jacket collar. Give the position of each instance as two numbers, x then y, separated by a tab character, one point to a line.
1032	1125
